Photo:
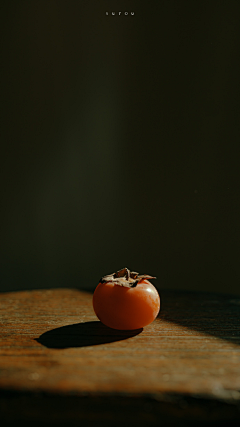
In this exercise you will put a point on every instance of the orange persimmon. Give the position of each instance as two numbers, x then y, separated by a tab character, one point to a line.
126	300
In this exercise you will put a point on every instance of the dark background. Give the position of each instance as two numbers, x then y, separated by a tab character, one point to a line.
120	143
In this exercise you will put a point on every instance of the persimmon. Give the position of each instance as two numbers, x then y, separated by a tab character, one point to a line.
126	300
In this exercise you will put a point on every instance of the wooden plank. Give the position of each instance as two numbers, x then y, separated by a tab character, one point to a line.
52	342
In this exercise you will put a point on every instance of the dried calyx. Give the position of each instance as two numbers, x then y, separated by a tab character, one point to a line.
126	278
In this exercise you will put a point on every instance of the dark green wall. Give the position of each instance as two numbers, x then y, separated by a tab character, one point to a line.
120	143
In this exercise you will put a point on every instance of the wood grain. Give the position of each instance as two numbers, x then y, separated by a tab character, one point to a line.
51	342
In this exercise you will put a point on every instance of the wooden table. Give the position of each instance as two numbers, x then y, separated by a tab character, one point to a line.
60	366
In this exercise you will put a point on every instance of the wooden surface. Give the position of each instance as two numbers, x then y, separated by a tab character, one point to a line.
51	342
